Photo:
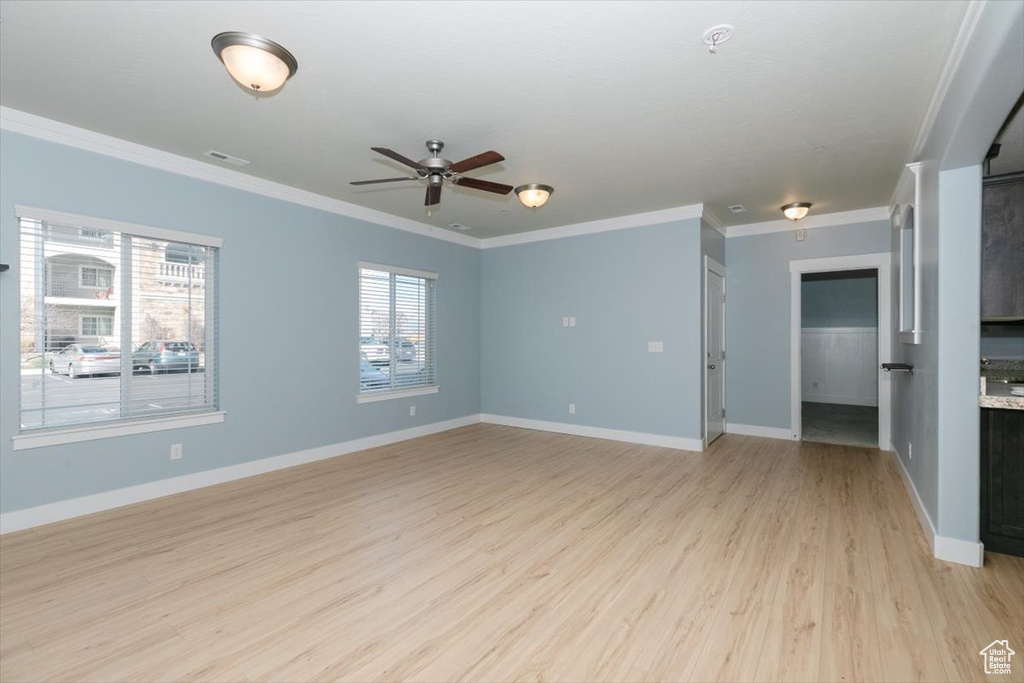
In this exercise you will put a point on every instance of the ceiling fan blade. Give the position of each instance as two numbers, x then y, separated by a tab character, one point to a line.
485	185
433	195
379	180
483	159
398	157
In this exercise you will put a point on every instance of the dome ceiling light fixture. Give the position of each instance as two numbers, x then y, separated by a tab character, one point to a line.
256	63
534	195
796	210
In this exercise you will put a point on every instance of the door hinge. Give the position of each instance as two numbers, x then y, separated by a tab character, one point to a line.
723	355
723	413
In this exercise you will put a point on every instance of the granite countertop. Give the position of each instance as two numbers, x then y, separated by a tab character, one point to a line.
995	391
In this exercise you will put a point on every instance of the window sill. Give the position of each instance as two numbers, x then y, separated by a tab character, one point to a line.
55	437
401	393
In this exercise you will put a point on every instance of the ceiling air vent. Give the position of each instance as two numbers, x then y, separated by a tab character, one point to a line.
737	208
226	158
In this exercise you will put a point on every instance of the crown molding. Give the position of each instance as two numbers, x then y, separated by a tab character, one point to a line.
42	128
956	55
824	220
714	221
637	220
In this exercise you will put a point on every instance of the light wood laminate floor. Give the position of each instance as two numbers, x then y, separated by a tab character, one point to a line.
492	553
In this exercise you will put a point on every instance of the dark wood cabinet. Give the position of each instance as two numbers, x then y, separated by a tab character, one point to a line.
1002	480
1002	248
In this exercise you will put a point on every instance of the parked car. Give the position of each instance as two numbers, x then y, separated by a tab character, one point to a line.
165	356
75	360
405	350
370	376
376	351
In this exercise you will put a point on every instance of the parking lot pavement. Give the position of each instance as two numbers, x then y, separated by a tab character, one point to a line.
91	399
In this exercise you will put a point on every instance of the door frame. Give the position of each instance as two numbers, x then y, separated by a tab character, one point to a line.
882	263
714	266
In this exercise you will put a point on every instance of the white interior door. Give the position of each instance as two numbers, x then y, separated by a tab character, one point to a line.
714	367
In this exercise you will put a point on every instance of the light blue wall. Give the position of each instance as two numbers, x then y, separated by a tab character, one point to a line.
288	280
959	351
758	315
845	302
625	288
941	397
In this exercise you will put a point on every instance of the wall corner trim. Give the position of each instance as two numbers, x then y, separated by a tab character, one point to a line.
636	220
643	438
822	220
943	548
42	128
715	222
27	518
757	430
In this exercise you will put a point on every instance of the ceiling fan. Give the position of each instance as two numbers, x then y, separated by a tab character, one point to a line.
437	170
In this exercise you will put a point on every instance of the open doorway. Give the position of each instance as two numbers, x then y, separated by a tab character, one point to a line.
839	357
840	395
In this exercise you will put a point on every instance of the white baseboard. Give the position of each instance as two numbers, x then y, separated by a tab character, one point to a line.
840	400
76	507
678	442
971	553
757	430
943	548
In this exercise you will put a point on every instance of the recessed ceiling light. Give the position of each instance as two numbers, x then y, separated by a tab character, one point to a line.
738	208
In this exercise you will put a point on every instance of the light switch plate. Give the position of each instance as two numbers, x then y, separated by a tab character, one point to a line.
655	347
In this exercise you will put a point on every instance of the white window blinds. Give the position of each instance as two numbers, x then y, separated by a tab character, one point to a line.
396	329
115	324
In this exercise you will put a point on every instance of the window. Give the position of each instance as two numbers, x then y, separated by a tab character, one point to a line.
93	276
92	234
176	252
396	332
96	325
126	350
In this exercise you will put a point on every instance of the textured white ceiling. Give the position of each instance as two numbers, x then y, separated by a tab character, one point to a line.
618	105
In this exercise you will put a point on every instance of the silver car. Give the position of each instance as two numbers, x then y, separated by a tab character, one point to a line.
75	360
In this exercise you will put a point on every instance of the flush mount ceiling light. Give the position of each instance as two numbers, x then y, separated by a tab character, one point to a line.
257	63
796	210
534	195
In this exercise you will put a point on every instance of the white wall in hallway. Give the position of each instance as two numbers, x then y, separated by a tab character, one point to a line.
838	365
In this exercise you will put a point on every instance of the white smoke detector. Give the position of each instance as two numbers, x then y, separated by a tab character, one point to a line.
716	35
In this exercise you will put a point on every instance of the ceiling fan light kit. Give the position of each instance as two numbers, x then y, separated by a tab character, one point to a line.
437	170
255	62
534	195
796	210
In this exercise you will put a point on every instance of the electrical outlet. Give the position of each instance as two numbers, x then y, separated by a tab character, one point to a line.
814	385
175	451
412	411
572	408
572	321
565	321
910	451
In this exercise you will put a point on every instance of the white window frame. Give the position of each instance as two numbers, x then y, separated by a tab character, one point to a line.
81	276
390	394
98	317
54	436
